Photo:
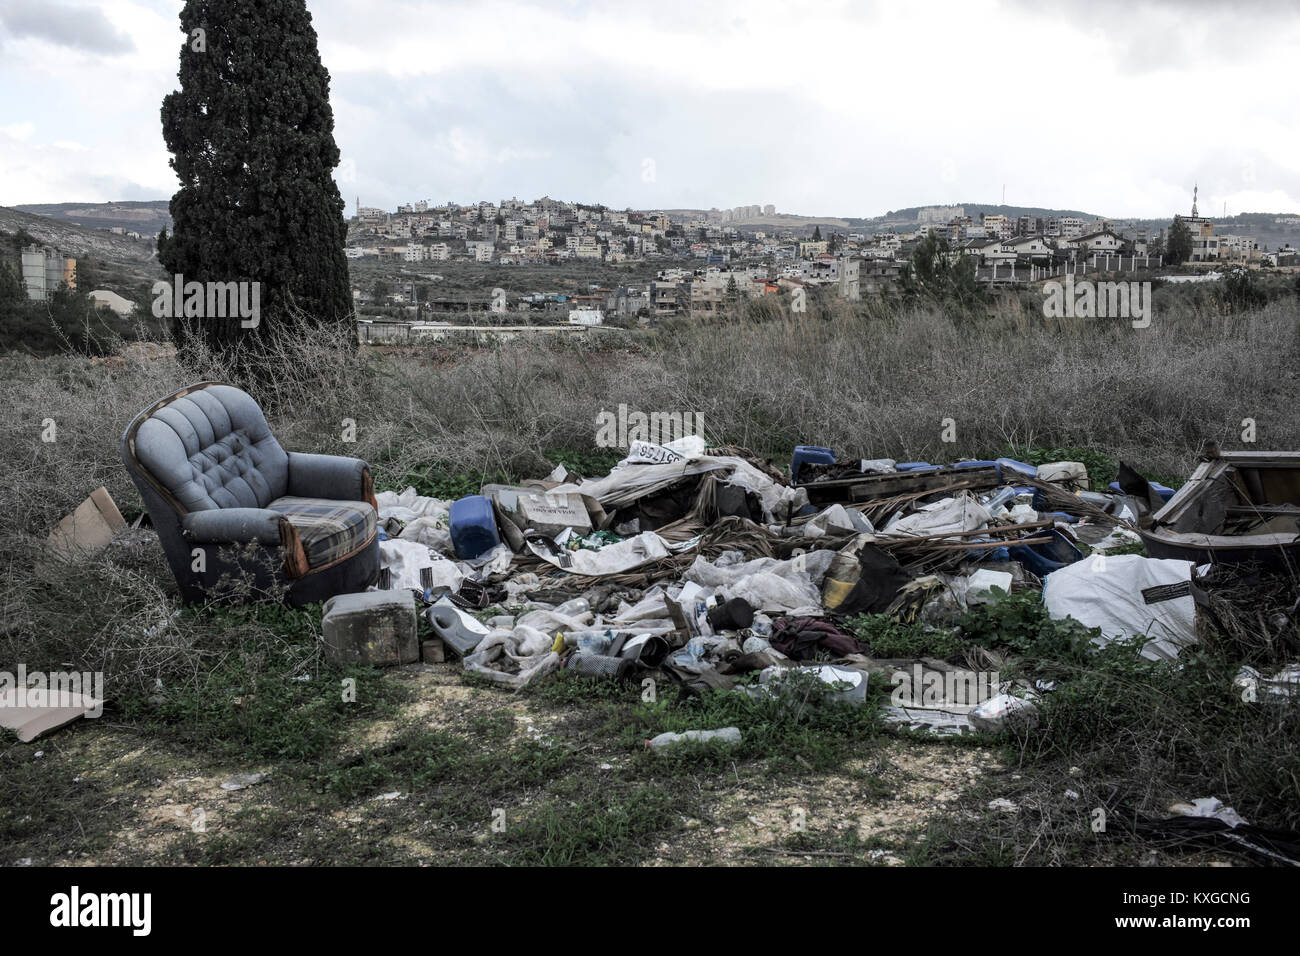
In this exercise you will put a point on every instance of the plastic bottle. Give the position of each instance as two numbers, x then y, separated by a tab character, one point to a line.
727	735
573	608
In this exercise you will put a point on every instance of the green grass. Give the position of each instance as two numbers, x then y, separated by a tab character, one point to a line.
593	830
270	696
887	637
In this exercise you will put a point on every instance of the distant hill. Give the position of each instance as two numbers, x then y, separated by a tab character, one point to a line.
78	241
147	218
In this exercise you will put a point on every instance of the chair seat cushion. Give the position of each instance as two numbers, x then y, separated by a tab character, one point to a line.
330	530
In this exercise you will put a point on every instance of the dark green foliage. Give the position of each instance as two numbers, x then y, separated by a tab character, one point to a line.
935	275
252	136
11	288
888	637
1178	247
1241	291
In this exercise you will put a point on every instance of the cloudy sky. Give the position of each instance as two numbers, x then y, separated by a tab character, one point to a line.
823	108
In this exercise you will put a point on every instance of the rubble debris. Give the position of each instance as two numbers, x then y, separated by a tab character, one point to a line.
709	568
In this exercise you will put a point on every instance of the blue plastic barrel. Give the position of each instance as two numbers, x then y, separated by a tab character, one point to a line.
809	454
1009	466
1163	491
473	526
1043	559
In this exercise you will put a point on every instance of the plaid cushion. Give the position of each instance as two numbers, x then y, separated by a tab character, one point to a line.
330	530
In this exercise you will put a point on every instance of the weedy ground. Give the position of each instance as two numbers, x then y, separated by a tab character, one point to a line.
422	765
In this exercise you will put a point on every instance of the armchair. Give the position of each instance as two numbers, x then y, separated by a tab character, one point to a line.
213	477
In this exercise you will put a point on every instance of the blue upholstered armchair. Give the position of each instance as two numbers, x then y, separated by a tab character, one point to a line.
213	478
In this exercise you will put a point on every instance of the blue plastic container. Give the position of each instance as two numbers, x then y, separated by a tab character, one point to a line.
1059	516
1043	559
980	464
994	554
1163	491
473	527
913	465
1009	467
809	454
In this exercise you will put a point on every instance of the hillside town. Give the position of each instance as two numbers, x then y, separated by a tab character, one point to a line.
704	260
691	262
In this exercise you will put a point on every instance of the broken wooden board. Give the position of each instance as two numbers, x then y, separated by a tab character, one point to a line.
868	488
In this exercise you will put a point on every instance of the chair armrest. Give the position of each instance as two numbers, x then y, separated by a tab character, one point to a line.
333	477
233	526
249	526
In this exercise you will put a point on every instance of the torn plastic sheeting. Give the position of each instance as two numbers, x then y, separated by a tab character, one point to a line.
429	531
517	657
981	583
650	607
407	506
1004	712
404	559
838	518
1211	807
951	515
845	684
1282	686
611	559
788	587
1118	538
1128	596
629	482
554	620
496	561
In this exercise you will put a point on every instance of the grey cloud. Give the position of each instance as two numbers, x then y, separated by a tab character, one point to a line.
77	27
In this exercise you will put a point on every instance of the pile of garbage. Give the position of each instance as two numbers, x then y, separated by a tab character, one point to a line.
707	565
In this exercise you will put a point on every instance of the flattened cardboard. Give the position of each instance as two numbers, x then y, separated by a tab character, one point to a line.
34	721
91	526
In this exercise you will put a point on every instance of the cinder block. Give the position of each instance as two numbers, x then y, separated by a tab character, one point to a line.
432	651
373	627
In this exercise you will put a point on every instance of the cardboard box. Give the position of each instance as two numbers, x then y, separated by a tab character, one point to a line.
537	510
91	526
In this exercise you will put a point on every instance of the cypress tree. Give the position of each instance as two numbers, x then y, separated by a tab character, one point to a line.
252	137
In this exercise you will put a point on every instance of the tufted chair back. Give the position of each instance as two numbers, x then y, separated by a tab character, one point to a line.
211	448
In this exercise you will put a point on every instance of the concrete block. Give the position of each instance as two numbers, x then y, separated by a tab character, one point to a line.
373	627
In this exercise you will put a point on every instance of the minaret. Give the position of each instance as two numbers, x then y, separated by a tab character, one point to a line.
1194	189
